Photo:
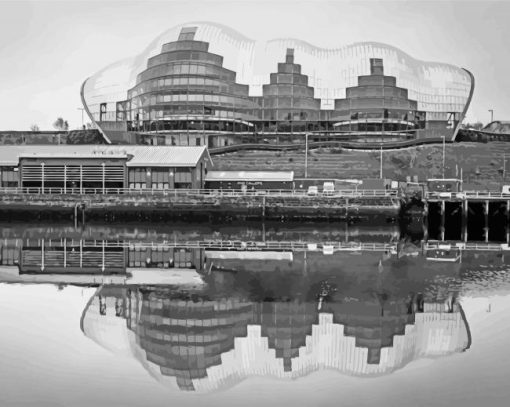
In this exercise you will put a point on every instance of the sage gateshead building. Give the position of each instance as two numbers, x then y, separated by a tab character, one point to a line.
206	84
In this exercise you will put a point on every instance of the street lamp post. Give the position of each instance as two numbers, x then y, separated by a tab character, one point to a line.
504	165
306	155
444	148
380	163
82	109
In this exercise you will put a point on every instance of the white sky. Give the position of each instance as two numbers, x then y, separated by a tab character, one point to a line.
48	48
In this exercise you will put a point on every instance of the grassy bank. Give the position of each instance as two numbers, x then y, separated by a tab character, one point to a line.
482	164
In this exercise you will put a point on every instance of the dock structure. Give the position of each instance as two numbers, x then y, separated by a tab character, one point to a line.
126	179
491	209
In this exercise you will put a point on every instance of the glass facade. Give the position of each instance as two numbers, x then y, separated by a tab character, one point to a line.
208	78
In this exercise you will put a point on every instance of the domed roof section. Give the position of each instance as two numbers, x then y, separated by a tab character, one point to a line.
330	70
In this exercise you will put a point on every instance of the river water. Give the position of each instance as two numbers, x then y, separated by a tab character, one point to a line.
313	314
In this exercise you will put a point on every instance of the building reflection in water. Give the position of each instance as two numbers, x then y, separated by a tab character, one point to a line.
202	319
199	339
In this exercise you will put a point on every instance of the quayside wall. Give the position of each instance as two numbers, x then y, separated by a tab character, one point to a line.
269	206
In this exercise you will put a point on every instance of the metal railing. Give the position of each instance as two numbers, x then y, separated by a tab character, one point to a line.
197	192
467	195
236	245
461	246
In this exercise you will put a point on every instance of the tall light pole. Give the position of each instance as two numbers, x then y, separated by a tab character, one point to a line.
492	114
444	148
306	155
380	164
504	165
82	109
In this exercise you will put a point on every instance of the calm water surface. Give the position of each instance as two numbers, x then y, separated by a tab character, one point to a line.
309	314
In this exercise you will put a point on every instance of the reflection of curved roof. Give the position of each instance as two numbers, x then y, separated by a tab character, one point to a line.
330	70
203	344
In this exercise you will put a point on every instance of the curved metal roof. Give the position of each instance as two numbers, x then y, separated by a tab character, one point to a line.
437	87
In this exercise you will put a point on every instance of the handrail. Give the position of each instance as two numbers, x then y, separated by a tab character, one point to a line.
197	192
467	194
236	245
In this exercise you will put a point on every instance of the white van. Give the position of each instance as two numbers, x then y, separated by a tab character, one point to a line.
313	190
328	188
505	189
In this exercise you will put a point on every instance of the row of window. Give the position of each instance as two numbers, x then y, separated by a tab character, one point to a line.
293	79
184	68
284	67
185	55
365	91
269	126
185	45
367	103
287	90
277	114
207	84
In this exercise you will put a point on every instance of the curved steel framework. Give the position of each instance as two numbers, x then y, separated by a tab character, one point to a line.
206	78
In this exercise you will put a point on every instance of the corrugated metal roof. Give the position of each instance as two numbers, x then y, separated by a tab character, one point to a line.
155	156
160	156
250	176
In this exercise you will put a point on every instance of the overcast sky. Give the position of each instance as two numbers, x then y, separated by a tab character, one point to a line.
48	48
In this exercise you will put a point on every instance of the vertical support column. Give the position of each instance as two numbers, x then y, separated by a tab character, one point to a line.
75	216
263	206
81	179
486	213
104	181
465	212
346	208
425	220
42	254
83	215
443	218
81	253
65	178
42	177
103	261
65	252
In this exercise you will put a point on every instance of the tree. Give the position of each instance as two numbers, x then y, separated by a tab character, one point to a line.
34	127
61	124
